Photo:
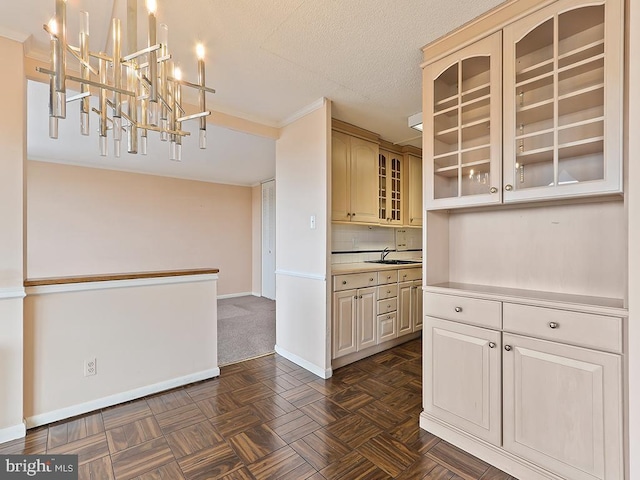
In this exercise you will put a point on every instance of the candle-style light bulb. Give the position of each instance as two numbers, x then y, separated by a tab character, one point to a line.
200	51
152	6
53	26
177	74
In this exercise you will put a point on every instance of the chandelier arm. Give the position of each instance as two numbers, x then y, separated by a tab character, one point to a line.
193	116
76	54
137	54
192	85
79	96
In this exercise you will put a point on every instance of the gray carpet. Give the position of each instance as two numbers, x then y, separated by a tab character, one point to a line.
246	328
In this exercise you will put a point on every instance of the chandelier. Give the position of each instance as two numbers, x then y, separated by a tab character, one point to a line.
138	92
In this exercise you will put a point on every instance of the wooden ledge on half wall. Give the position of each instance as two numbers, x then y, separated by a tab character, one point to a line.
36	282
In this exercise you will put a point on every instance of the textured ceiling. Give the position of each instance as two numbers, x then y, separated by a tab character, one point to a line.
268	59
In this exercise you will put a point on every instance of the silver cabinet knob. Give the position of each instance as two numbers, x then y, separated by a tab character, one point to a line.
344	282
371	279
493	190
348	214
360	296
353	214
507	348
508	187
388	291
458	309
355	296
492	345
553	325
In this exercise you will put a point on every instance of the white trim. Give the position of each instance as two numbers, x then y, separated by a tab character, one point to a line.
14	35
499	458
134	282
303	111
72	411
12	433
6	293
307	365
241	294
312	276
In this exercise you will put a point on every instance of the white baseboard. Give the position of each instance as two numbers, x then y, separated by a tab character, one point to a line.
73	410
241	294
13	433
491	454
307	365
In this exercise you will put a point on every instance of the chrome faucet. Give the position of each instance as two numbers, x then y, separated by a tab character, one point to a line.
384	253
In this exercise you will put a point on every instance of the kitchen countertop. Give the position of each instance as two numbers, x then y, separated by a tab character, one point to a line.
343	268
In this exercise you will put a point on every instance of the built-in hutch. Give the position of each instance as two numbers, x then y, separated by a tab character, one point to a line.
525	240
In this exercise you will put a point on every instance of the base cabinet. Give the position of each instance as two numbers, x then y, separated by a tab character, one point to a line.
562	407
409	307
354	320
552	404
464	376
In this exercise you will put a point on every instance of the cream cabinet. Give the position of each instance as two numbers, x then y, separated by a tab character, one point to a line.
354	179
563	407
354	320
464	377
390	190
409	307
366	310
547	403
561	95
554	98
462	126
413	217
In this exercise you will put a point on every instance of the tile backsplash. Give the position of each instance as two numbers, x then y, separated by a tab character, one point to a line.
356	243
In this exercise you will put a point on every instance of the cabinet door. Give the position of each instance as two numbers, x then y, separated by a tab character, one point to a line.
344	322
416	306
390	191
562	94
366	318
414	191
563	408
405	295
363	181
462	126
462	377
340	176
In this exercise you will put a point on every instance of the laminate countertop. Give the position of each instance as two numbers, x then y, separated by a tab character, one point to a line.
359	267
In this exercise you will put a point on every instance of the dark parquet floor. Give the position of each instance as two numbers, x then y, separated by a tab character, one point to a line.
267	418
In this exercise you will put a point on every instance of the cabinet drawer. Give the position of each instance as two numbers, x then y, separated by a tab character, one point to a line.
582	329
387	327
388	305
387	291
486	313
354	280
387	276
407	274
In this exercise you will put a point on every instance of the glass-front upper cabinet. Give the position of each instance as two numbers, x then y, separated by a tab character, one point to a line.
390	173
462	139
563	102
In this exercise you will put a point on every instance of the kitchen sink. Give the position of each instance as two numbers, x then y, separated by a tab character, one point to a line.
394	262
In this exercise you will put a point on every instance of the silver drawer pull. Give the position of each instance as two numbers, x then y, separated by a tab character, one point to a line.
507	348
458	309
344	282
371	279
388	291
553	325
492	345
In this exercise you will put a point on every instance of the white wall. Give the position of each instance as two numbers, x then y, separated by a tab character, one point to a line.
302	173
146	335
12	154
633	201
87	221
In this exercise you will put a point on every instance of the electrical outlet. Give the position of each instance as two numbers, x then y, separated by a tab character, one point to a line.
90	367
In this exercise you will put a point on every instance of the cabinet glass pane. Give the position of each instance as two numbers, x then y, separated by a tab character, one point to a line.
475	180
382	186
560	88
396	166
446	89
445	182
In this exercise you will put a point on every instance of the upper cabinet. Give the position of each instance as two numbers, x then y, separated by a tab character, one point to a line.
390	191
354	179
462	126
542	122
563	102
374	181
